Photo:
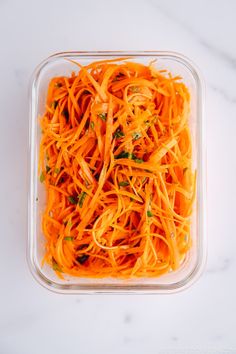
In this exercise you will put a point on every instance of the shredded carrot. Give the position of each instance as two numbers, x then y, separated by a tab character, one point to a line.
116	161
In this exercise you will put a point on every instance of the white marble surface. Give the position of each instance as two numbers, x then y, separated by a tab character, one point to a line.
200	320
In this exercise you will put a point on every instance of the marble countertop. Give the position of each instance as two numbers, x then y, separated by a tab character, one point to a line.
200	320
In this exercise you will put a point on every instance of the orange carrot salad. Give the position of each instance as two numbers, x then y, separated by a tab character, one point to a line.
116	163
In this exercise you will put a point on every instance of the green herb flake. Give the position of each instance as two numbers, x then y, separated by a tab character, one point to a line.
68	238
42	177
69	223
118	134
144	180
48	168
103	116
72	200
136	135
56	267
122	155
138	160
133	156
82	197
149	214
123	183
92	125
127	155
57	170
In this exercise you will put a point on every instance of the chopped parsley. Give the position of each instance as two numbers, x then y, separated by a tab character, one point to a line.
138	160
56	267
123	183
144	180
81	197
128	155
118	134
123	155
68	238
149	213
42	177
72	200
136	135
103	116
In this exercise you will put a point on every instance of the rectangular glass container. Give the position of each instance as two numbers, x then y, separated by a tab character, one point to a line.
190	269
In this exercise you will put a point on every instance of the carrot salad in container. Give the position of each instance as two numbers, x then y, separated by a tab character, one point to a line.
117	169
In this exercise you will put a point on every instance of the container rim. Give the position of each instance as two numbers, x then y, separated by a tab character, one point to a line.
201	184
